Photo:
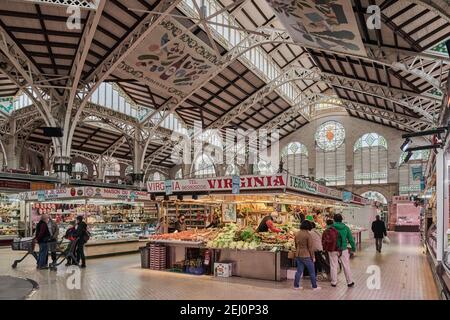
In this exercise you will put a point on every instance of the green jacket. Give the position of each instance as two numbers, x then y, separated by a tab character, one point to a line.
345	236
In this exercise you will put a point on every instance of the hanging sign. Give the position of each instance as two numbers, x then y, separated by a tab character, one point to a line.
236	185
41	195
329	25
168	187
221	184
171	60
416	173
311	187
347	196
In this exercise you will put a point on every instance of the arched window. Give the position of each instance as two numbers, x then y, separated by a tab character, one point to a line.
112	168
179	174
330	153
295	159
409	173
232	170
156	176
375	195
370	159
203	167
129	170
263	168
80	168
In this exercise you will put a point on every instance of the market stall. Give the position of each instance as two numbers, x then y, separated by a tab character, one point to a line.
117	219
235	242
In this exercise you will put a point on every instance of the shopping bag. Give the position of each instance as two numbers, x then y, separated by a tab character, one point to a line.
386	240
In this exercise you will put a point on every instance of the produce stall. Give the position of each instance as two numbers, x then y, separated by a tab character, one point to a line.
263	255
118	220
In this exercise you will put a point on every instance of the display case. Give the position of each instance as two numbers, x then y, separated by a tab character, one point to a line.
106	220
11	225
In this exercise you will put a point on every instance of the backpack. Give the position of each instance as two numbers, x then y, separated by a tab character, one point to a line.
330	239
87	236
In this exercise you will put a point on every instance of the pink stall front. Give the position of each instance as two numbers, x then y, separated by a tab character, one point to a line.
404	215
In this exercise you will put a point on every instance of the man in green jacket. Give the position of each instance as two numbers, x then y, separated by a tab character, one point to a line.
344	238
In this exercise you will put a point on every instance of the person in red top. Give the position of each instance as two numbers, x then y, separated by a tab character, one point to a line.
267	223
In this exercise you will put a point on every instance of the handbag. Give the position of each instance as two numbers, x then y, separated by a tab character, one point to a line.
386	240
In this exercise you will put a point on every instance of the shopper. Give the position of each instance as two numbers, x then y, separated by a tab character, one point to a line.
81	234
344	238
379	232
215	222
317	247
304	255
266	223
180	225
54	232
42	238
161	226
70	235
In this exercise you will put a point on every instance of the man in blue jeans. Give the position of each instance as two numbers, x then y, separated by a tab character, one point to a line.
304	255
42	237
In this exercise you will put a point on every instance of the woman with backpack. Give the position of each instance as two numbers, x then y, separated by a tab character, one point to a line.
82	236
304	255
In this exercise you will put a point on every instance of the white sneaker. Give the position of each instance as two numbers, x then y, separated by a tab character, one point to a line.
317	288
298	288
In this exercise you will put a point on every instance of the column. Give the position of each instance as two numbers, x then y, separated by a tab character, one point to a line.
441	203
138	156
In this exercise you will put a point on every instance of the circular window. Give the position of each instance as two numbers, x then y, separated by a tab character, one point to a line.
330	135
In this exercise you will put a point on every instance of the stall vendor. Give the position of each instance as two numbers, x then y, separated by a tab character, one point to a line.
180	225
267	223
215	222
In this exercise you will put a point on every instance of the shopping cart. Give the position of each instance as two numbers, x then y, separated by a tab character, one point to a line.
65	251
24	244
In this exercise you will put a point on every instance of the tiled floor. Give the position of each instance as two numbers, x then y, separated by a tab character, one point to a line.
405	274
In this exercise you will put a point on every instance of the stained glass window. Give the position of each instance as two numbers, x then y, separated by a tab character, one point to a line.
330	136
370	159
179	174
203	167
112	168
80	168
330	153
263	168
375	195
232	170
295	159
156	176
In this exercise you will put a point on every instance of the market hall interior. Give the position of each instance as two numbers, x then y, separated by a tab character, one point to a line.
404	274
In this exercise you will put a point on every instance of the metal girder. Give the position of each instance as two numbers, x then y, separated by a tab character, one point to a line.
82	4
414	102
258	96
80	58
113	148
5	128
397	59
36	147
92	157
413	124
128	45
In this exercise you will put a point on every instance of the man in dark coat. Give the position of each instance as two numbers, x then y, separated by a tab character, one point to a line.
379	232
42	238
81	233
